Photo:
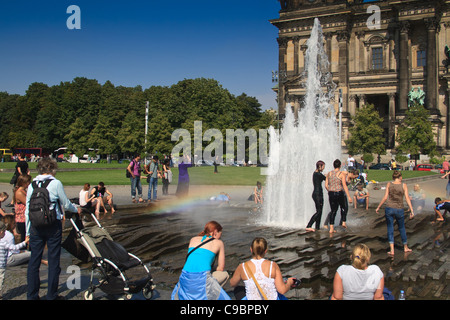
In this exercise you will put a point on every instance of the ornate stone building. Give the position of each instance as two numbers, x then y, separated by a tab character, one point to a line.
377	64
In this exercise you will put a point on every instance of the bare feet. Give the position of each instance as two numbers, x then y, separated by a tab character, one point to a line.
310	229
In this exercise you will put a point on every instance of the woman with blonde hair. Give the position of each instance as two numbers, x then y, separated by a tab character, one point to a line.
197	282
267	282
360	280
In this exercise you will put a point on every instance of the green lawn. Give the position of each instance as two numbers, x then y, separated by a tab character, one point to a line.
114	174
110	175
386	175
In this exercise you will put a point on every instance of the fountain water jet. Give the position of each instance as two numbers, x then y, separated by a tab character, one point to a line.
301	142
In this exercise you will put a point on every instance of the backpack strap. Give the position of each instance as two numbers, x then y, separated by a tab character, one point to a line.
44	184
41	184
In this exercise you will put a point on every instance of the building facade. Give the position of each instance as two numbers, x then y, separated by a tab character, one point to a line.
373	61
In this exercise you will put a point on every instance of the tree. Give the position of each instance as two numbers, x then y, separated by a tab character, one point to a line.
159	135
415	134
366	136
112	117
131	135
251	109
77	138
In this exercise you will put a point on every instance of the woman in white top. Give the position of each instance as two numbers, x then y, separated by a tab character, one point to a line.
87	201
266	272
358	281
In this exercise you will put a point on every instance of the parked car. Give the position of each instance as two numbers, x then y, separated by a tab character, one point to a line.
439	168
423	167
380	166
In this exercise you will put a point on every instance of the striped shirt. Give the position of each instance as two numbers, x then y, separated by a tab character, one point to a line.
4	249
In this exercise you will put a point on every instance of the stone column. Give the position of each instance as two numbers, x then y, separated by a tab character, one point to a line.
343	38
391	132
282	49
328	43
432	77
362	100
361	67
296	55
404	67
352	105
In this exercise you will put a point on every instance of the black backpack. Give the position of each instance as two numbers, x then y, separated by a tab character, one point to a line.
128	174
39	211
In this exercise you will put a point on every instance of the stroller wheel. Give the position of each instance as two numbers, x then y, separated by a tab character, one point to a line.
127	296
147	293
88	295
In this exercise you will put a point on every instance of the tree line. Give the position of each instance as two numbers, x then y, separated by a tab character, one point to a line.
84	114
414	134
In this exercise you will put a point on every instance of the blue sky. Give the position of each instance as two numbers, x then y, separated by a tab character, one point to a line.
141	43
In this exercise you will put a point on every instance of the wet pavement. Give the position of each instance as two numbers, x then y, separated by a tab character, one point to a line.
158	233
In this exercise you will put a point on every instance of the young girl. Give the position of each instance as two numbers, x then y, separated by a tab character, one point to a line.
317	196
4	249
14	257
258	193
266	272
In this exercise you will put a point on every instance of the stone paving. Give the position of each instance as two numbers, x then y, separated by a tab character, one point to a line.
158	234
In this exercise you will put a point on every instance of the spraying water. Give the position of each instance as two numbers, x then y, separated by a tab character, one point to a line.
300	143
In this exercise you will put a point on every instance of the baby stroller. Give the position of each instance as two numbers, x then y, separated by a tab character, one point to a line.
112	260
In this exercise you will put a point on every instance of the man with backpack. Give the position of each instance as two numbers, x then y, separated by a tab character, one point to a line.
44	213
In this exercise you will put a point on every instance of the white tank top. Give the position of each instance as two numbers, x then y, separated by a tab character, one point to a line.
266	283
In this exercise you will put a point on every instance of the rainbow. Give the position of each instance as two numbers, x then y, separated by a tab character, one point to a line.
198	196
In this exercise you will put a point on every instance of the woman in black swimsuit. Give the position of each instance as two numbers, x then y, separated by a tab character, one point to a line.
317	196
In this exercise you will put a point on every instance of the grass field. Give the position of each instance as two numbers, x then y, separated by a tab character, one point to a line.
114	174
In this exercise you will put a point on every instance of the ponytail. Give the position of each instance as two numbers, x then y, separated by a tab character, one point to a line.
259	247
361	256
210	227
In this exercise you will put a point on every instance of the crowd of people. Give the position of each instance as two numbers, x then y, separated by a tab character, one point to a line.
336	184
261	278
35	238
154	171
